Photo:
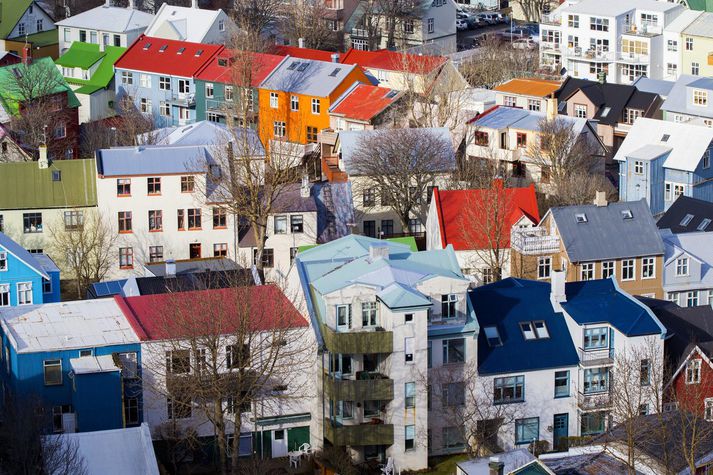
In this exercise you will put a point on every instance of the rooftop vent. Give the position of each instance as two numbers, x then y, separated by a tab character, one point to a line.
627	214
335	72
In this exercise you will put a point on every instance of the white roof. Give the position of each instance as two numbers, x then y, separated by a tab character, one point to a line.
613	8
93	364
115	452
698	245
66	325
687	142
682	21
182	23
702	26
114	19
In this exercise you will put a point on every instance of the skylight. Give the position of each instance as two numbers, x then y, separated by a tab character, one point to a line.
541	329
162	48
199	52
665	137
536	330
686	219
528	331
302	66
704	224
293	65
391	94
493	336
605	111
222	62
580	217
180	50
147	46
627	214
335	72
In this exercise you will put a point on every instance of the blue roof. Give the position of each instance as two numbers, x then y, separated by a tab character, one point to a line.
702	83
22	254
601	301
507	303
504	117
397	296
153	160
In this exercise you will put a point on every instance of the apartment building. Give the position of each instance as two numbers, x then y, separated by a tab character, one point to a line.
675	45
618	40
581	241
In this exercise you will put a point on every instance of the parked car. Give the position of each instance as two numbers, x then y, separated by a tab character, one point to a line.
461	15
474	22
524	43
501	18
488	18
461	25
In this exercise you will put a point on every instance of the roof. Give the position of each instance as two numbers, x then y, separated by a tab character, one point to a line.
505	304
529	87
653	86
93	364
513	460
109	18
502	117
585	461
701	26
23	255
304	53
305	76
616	7
683	19
221	311
364	102
84	55
80	55
687	142
24	185
153	160
182	23
178	58
290	200
678	99
114	452
206	133
706	5
66	325
222	67
10	14
462	215
394	61
696	245
183	266
685	205
596	238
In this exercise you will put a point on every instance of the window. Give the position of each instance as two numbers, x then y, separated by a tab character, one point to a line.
561	383
409	395
312	134
387	227
596	338
510	101
409	437
534	105
689	44
229	93
73	220
598	24
369	228
707	154
492	335
53	372
131	410
184	86
527	430
154	185
700	98
682	266
521	140
596	380
573	21
430	24
638	167
453	437
178	408
480	138
178	362
279	129
268	257
645	372
671	69
454	351
708	409
219	218
369	197
693	371
608	268
180	219
3	261
368	314
220	250
155	253
194	218
32	223
126	257
123	187
528	331
586	271
408	26
294	103
24	293
237	356
648	267
155	220
274	100
280	225
448	305
701	227
344	316
124	221
593	423
695	68
209	90
164	109
408	349
4	295
145	80
408	317
453	394
510	389
692	298
628	269
316	106
187	184
580	111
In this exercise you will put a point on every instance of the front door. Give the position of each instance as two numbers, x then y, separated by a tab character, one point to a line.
560	431
279	443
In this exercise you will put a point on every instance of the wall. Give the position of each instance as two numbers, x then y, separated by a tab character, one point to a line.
29	20
17	272
96	397
702	47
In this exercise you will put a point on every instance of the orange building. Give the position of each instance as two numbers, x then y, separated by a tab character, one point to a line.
295	98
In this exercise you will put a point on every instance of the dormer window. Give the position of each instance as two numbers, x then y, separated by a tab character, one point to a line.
580	218
492	335
448	305
700	97
686	220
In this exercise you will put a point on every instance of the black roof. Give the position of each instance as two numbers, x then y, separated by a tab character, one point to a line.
617	97
684	205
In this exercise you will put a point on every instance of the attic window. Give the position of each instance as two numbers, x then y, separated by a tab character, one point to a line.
199	52
181	50
493	336
56	175
528	331
162	48
292	66
665	137
534	330
627	214
580	217
605	111
222	62
335	72
541	329
147	46
704	224
302	66
686	219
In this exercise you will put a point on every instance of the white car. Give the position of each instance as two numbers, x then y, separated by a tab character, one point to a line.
461	25
524	43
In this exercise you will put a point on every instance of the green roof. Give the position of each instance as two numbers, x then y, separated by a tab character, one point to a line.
80	55
10	13
24	185
701	5
10	96
86	53
43	38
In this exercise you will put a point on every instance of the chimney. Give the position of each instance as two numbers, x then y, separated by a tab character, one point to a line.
107	3
600	199
495	466
27	55
335	57
557	289
552	107
602	77
132	4
43	161
170	268
378	250
194	3
301	42
305	188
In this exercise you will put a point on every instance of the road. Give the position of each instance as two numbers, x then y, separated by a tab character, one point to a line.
466	37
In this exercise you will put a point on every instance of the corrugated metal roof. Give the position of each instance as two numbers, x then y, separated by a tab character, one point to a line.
153	160
24	185
109	18
22	254
309	77
677	100
701	26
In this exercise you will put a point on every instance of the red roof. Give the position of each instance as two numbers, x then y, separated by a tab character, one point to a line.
304	53
209	312
394	61
170	57
466	217
364	102
219	68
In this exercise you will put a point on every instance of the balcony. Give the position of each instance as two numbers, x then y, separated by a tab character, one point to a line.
633	58
591	55
364	34
358	342
183	99
645	29
360	434
533	241
603	357
373	388
594	401
550	47
327	136
551	19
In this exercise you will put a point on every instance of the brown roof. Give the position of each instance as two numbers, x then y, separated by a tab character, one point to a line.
529	87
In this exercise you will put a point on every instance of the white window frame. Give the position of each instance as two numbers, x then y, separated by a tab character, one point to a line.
316	106
294	103
544	267
20	293
605	268
624	266
209	90
274	100
648	262
3	261
5	290
693	371
586	271
682	267
638	167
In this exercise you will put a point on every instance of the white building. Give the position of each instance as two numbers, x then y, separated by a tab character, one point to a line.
673	46
191	24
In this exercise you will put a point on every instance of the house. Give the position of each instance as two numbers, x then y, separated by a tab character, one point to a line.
539	343
614	107
579	240
79	360
365	107
620	40
26	279
156	74
270	427
34	200
688	277
114	452
27	22
89	71
697	40
10	150
525	93
687	215
688	101
191	24
382	316
660	161
676	47
105	25
54	96
459	218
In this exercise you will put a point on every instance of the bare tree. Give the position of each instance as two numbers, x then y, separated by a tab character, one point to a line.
496	61
402	15
402	164
303	19
255	16
83	247
532	9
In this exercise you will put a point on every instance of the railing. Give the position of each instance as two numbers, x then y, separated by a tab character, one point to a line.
363	33
550	46
594	401
360	434
644	30
551	19
604	356
533	241
591	54
327	136
358	342
628	57
188	100
376	389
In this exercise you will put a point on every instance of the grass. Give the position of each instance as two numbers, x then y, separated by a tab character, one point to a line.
445	465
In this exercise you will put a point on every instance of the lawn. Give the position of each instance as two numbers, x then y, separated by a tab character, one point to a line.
445	465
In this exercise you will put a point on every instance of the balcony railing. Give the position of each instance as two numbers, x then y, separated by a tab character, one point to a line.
594	401
551	19
550	46
533	241
360	434
379	388
633	58
358	342
591	54
182	99
602	357
364	33
643	30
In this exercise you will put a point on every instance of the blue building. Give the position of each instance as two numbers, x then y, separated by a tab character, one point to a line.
79	362
660	161
26	278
